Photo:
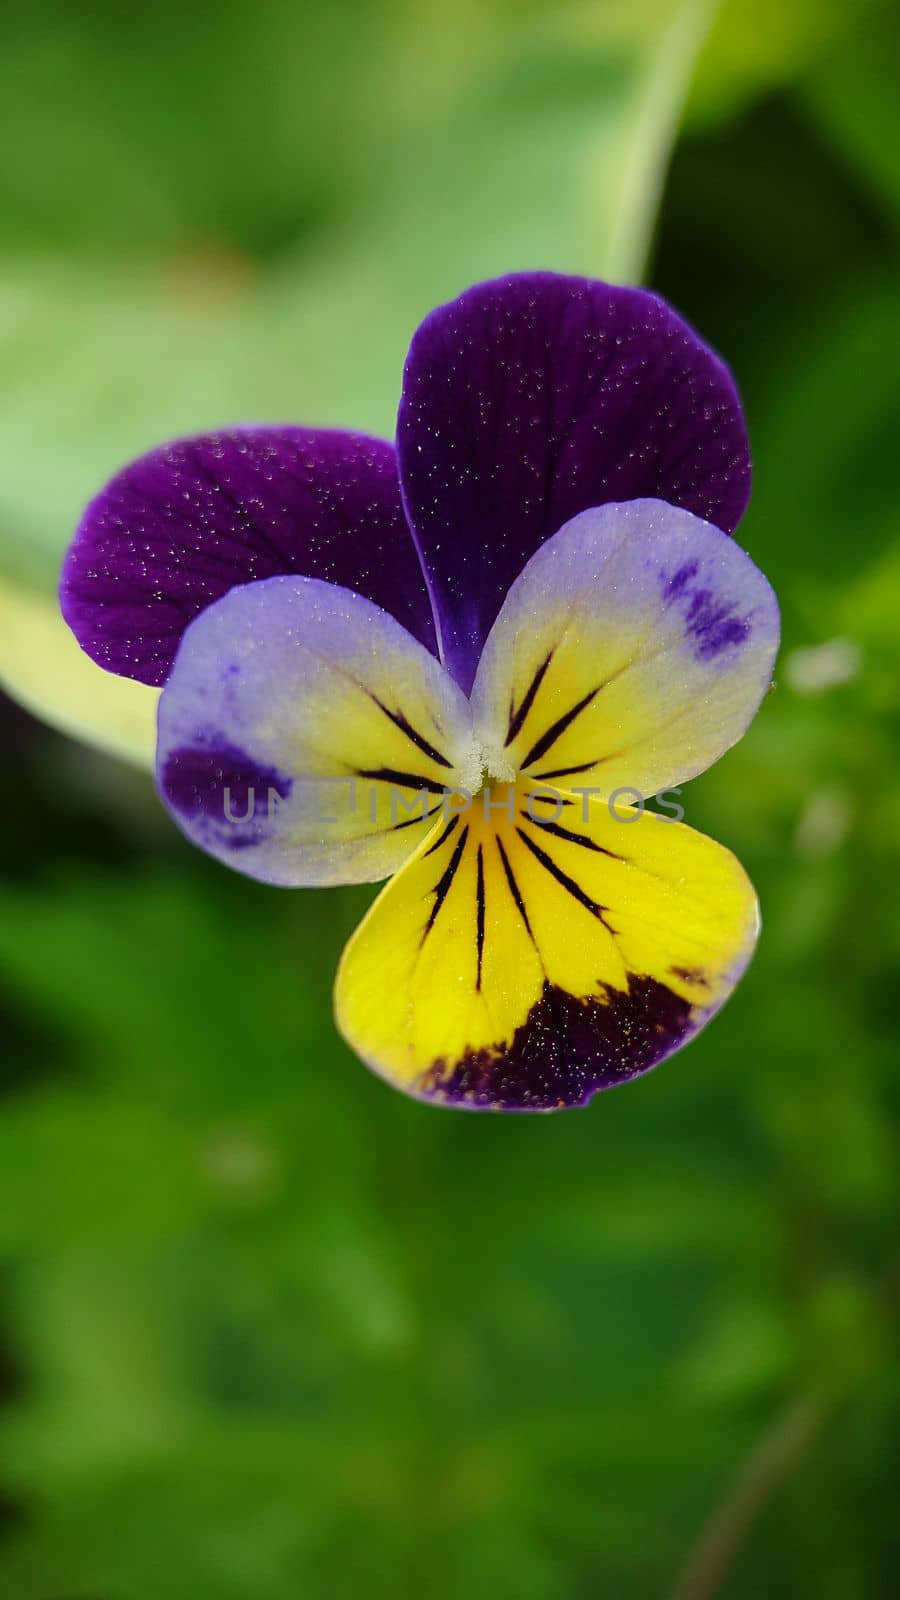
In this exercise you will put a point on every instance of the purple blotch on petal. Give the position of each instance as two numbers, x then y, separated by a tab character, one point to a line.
712	624
221	788
568	1048
679	580
713	627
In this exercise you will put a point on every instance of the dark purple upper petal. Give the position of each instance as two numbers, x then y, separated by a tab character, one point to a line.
532	398
177	529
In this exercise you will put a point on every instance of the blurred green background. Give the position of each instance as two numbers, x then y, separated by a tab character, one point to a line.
267	1329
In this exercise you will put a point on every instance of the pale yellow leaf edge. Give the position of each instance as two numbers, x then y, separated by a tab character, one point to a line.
46	671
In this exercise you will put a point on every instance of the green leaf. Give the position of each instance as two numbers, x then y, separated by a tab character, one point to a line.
756	47
478	149
853	96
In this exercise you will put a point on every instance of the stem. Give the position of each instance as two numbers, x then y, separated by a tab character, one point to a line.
775	1455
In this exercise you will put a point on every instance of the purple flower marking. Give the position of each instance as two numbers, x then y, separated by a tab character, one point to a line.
713	624
223	787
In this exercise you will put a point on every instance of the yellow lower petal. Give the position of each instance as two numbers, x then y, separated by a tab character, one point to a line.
526	958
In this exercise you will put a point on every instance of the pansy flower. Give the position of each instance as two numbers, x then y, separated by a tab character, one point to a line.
462	662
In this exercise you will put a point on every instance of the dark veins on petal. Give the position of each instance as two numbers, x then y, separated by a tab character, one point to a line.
443	885
479	916
517	714
401	721
548	739
568	1047
559	831
178	528
419	816
563	879
567	772
443	836
403	780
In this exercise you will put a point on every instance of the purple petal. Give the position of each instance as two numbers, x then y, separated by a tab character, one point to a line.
532	398
180	527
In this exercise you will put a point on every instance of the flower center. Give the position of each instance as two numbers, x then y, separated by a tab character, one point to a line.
486	764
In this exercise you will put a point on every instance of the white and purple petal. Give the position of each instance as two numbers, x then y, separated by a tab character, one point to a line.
178	528
534	397
305	737
630	654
